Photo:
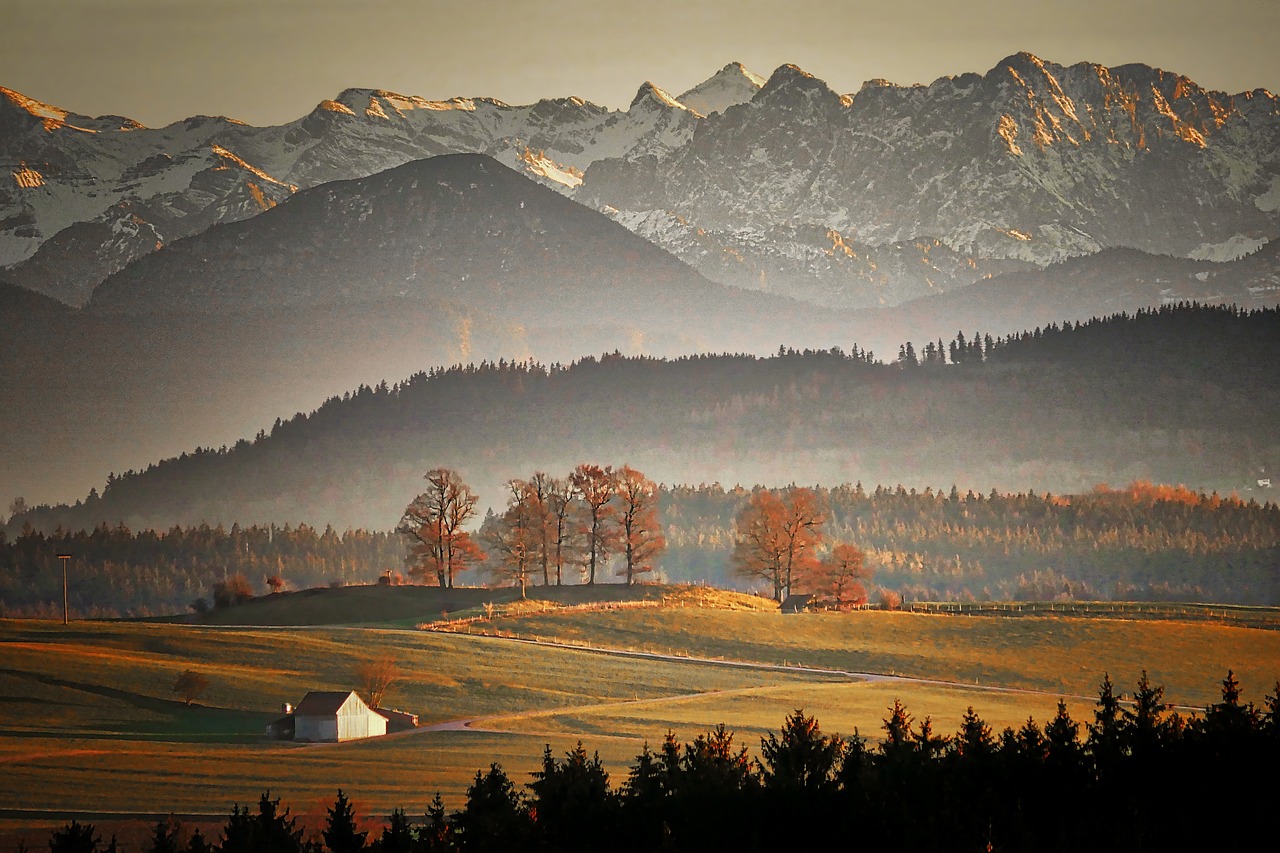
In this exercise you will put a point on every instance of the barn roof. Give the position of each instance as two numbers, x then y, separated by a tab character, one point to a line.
398	719
320	703
795	603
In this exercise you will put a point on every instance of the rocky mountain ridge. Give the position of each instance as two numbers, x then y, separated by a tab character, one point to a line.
853	199
784	185
89	196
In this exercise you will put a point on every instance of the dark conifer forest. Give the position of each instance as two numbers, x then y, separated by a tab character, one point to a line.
1181	395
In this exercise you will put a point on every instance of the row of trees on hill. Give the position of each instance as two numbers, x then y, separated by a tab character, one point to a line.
550	528
557	527
1140	542
115	571
1136	777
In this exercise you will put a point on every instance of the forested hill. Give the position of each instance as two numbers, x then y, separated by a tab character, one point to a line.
1185	395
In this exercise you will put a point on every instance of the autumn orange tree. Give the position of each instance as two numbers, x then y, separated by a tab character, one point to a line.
595	488
778	537
840	574
434	525
640	534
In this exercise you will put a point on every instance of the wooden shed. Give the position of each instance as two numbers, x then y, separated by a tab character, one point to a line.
335	716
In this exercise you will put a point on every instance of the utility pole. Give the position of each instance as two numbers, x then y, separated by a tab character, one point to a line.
66	614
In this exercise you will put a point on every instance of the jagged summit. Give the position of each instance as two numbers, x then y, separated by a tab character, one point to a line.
790	81
729	86
653	94
786	73
1021	61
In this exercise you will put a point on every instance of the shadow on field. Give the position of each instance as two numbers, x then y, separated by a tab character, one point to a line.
160	720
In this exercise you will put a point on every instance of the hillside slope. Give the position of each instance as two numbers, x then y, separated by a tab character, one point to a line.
440	261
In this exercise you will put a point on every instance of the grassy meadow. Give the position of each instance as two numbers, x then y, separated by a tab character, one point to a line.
88	722
89	725
1061	655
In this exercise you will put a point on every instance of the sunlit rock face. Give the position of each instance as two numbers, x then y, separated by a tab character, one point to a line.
782	185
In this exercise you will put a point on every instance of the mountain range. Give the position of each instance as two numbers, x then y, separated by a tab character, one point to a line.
851	201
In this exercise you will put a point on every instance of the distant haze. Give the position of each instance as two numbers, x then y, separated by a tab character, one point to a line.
158	61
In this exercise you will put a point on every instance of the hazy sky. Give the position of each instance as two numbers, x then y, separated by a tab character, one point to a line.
270	61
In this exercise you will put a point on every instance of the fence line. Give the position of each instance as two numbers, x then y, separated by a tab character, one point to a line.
1260	617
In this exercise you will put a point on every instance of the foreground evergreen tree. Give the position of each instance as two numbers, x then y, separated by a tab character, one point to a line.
495	819
571	800
340	834
436	835
397	835
78	837
198	844
164	838
269	831
801	757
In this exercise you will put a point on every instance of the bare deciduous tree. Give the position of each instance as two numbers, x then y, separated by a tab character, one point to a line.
777	537
375	677
514	537
564	539
434	521
840	575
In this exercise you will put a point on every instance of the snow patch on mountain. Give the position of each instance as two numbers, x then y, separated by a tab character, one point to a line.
1270	200
1228	250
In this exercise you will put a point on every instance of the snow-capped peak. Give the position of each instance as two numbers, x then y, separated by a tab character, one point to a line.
729	86
649	93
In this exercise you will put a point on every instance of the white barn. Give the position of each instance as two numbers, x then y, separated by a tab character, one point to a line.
336	716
